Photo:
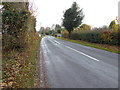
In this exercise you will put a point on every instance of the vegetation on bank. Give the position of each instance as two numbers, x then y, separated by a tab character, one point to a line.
109	37
20	43
19	69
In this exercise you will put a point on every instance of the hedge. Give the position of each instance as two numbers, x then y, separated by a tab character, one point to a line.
103	37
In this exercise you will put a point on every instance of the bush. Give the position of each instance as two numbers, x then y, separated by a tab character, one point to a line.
65	33
102	37
74	36
14	27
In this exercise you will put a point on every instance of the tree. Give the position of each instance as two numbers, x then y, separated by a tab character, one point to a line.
72	17
85	27
113	25
58	28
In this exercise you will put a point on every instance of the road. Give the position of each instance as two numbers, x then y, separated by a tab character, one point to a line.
71	65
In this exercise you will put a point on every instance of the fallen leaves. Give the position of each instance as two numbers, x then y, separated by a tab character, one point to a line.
11	68
18	69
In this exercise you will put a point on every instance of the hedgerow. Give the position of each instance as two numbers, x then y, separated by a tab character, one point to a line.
102	37
19	45
14	27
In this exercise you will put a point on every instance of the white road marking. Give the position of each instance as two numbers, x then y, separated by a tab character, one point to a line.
57	42
78	51
74	50
83	53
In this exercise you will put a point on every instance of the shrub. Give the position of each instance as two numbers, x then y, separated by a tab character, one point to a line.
14	27
106	36
65	33
96	36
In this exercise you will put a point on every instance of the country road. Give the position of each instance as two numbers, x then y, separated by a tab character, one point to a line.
70	65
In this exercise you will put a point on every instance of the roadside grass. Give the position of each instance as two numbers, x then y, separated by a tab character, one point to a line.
27	73
110	48
19	69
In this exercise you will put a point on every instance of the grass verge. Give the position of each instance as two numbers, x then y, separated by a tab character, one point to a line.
19	69
28	71
114	49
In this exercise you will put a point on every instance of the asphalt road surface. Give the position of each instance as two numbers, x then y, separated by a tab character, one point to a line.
70	65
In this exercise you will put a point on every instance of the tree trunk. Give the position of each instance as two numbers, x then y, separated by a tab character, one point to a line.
69	34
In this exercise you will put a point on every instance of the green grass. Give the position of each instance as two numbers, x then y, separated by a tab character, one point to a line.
89	44
27	77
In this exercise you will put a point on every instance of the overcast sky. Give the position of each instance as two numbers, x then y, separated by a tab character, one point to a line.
97	12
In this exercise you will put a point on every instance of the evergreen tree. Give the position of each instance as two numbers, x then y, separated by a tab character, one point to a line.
72	17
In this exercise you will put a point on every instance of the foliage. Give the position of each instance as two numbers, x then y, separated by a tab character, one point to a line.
102	37
19	68
28	71
46	31
58	28
85	27
19	45
106	36
113	25
64	33
72	17
14	23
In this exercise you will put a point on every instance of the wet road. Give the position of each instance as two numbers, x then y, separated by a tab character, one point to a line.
70	65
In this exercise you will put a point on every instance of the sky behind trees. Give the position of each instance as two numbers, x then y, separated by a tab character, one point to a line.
97	12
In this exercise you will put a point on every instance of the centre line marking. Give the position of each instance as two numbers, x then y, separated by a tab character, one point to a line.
57	42
83	53
78	51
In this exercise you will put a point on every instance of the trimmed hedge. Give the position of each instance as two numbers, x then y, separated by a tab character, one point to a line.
102	37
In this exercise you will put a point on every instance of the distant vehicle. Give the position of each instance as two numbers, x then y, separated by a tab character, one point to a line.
59	35
40	35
